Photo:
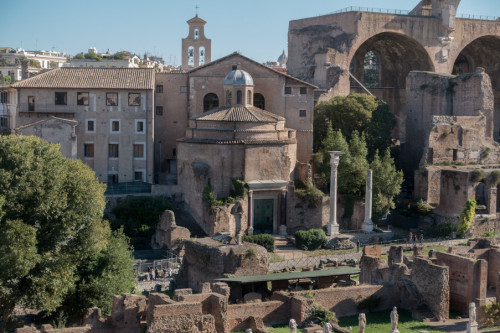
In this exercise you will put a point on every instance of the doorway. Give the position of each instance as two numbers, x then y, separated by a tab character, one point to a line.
263	216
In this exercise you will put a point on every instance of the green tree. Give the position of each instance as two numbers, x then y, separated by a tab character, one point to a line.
80	56
386	186
356	112
50	225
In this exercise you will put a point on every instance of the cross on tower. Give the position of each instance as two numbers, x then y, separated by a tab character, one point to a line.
196	7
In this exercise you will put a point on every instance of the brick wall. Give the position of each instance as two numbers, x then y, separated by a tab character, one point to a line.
272	312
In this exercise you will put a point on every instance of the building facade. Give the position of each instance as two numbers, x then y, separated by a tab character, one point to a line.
113	109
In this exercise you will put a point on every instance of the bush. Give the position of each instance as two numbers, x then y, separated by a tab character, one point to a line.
311	239
420	208
237	193
322	315
441	230
307	191
476	176
466	218
492	312
265	240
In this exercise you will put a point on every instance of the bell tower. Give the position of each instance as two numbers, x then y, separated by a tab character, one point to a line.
196	48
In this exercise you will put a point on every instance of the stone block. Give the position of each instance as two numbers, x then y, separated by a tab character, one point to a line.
252	298
184	291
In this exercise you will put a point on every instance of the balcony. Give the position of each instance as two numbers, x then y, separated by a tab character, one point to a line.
46	108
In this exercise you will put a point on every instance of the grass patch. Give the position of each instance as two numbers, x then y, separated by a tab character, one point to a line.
377	322
273	257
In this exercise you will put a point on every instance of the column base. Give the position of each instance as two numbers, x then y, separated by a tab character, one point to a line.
250	231
283	230
367	226
332	229
472	328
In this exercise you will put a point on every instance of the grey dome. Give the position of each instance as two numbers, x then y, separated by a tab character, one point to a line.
238	77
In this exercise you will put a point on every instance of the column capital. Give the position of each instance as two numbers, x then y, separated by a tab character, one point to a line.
335	157
250	193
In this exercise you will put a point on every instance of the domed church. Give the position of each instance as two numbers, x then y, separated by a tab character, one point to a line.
238	140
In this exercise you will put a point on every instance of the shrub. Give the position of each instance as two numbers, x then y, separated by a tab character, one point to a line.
322	315
369	303
492	312
476	176
495	177
309	192
310	239
441	230
420	208
237	193
466	218
265	240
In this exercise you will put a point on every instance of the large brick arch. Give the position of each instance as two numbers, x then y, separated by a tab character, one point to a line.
398	54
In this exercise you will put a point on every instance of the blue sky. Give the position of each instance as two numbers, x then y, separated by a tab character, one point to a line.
256	28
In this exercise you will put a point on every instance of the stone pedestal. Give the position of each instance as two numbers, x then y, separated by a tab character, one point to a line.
333	226
368	223
472	328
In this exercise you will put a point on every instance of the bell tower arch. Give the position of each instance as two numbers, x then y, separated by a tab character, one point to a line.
196	48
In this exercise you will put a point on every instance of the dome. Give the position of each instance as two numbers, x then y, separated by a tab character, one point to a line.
238	77
282	59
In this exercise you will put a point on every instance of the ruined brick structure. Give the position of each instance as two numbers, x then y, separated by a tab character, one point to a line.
324	49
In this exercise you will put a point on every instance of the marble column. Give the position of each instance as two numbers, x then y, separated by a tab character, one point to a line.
333	226
368	223
250	212
283	207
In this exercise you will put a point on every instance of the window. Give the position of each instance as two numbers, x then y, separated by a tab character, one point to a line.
113	150
4	122
139	126
88	149
259	101
60	98
90	126
111	99
184	89
31	103
196	34
201	58
3	97
82	98
139	175
115	126
303	90
134	99
239	97
229	97
191	56
302	113
210	101
159	110
249	97
288	90
159	88
139	150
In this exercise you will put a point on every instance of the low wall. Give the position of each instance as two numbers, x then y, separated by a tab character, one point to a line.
343	301
271	312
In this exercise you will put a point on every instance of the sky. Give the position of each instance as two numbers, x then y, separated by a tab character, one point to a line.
255	28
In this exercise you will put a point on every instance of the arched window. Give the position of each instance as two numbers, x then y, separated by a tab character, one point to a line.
229	97
191	56
202	55
249	97
196	34
239	97
210	101
259	101
371	70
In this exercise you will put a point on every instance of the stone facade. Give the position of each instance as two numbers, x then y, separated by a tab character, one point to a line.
168	234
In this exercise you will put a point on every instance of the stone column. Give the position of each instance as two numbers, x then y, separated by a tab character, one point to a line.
333	226
368	223
283	213
250	212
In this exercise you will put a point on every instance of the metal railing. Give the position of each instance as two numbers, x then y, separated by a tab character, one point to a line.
479	17
373	10
143	267
127	188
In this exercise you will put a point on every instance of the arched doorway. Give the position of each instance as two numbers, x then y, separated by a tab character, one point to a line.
483	52
210	101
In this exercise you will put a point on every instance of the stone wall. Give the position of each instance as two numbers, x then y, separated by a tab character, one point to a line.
467	279
168	234
432	283
205	260
271	312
